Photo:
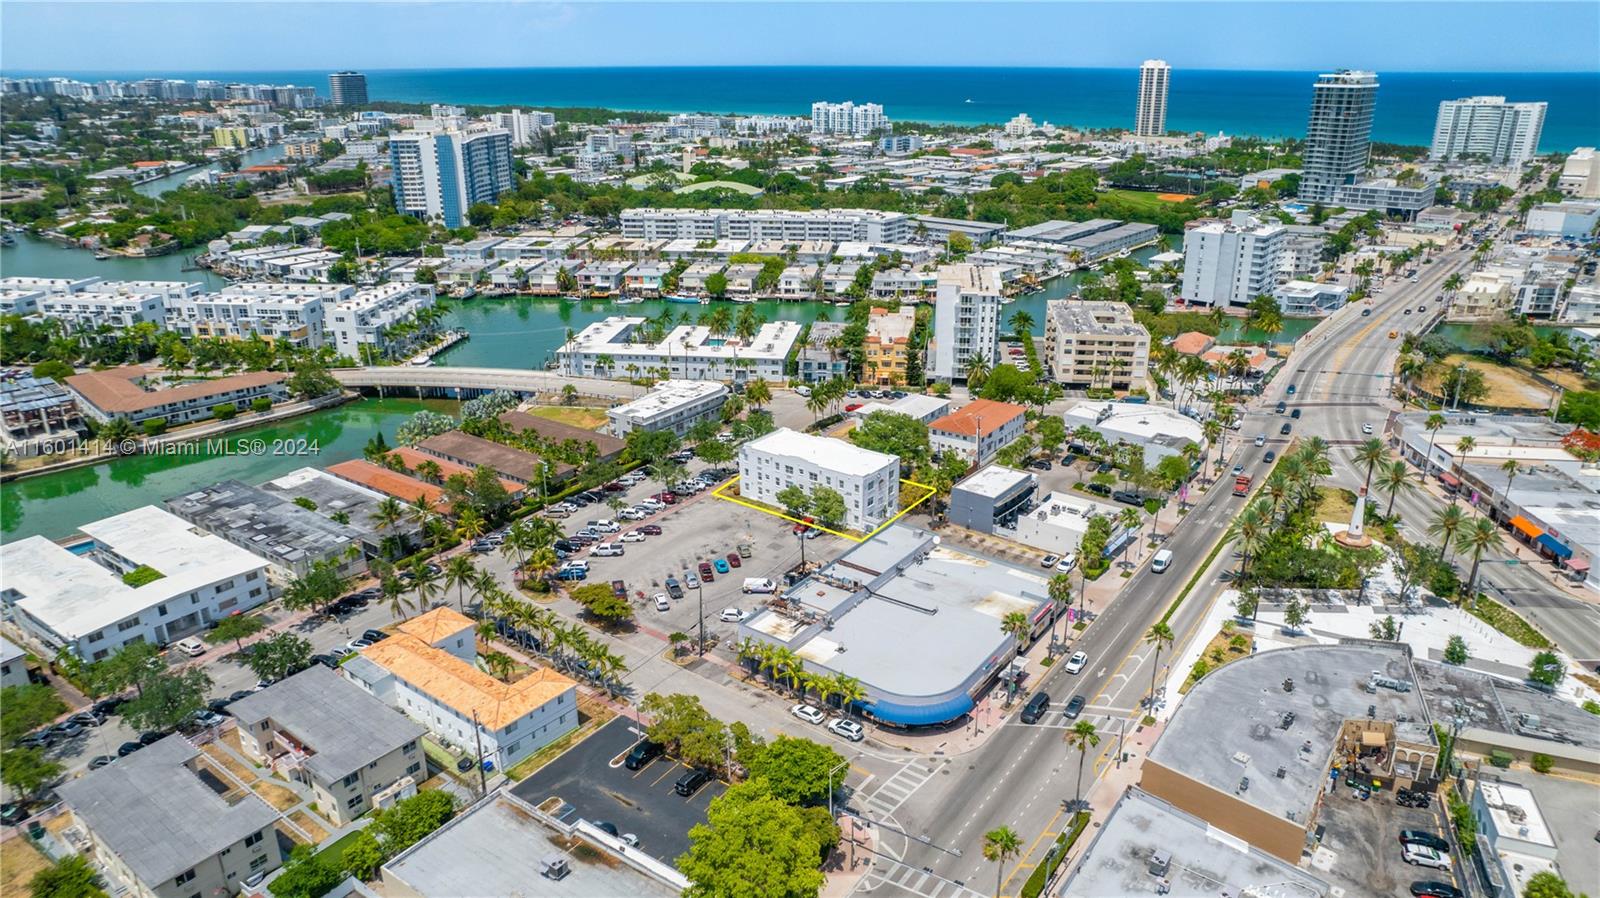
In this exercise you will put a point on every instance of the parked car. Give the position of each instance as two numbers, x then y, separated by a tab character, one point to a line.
808	713
690	782
608	550
190	646
1074	707
1041	464
744	550
1077	661
1432	888
99	761
733	615
674	588
705	572
1049	561
1099	489
1127	497
1295	414
1423	856
374	636
691	581
632	536
572	573
128	748
643	753
662	602
1067	563
733	559
846	729
721	564
651	530
1424	838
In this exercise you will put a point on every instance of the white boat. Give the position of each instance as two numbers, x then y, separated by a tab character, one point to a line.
627	300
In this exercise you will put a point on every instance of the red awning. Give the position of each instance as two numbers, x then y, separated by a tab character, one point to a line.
1578	564
1448	479
1525	527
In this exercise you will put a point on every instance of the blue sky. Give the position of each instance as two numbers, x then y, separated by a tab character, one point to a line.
222	35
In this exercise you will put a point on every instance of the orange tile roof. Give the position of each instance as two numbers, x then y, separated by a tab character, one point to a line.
460	686
412	458
436	624
114	389
407	489
148	164
1192	343
987	413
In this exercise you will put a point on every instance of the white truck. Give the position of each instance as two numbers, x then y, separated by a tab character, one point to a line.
759	584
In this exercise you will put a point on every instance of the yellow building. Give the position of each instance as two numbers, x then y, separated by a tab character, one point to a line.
231	138
888	345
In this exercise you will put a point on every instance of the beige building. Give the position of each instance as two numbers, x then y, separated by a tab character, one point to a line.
354	752
1095	344
888	345
1488	295
158	830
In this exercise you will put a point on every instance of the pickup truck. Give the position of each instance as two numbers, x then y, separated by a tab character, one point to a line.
1241	485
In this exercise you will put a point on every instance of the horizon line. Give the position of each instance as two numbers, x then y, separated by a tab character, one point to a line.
666	65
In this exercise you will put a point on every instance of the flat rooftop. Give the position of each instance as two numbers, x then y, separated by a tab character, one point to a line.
1235	710
495	846
332	495
1114	319
667	396
344	727
267	524
1201	861
827	452
995	481
1488	430
1499	705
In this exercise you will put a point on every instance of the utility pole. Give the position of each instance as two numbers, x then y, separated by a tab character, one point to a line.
477	736
835	769
700	597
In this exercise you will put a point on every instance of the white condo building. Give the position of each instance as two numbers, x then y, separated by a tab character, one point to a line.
91	310
1230	263
291	313
675	405
688	352
1151	117
359	321
847	118
439	175
837	225
1339	134
1502	133
79	601
869	481
966	318
524	127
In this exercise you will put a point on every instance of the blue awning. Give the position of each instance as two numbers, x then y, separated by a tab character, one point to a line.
1554	546
918	715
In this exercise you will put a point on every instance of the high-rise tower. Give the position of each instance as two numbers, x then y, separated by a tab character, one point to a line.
1151	119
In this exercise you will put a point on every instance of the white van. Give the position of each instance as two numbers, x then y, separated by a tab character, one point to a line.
759	584
1162	561
803	391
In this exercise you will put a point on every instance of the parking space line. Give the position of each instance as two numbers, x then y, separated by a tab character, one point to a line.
670	770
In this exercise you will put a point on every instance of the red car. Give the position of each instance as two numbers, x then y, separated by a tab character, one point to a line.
666	498
651	530
852	406
733	558
706	574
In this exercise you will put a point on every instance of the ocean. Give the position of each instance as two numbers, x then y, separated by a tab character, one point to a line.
1270	104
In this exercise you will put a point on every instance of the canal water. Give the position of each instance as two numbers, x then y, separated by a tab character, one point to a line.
259	156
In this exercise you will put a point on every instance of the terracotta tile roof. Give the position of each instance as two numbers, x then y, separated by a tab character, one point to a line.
435	625
460	686
987	413
447	468
364	473
468	449
607	445
1192	343
113	390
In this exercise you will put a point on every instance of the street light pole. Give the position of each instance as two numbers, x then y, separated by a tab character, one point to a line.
700	597
835	769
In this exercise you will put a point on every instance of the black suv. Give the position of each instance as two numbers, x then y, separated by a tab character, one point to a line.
1036	707
642	754
690	782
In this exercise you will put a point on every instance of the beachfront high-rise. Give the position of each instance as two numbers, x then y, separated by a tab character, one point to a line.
1339	135
439	175
847	118
1503	133
1151	119
348	88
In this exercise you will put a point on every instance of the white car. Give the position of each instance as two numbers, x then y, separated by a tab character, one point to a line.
632	514
1261	439
662	604
1423	856
632	536
808	713
1067	563
191	646
1366	429
1077	661
605	526
607	550
732	615
846	729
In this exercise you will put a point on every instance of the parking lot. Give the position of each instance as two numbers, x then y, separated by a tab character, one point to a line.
591	779
1361	843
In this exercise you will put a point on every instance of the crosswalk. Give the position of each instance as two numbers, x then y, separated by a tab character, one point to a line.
897	789
921	882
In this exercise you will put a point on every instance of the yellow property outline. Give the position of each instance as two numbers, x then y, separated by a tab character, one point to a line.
718	492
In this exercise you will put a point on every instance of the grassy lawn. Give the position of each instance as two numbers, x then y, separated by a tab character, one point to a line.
1143	199
1570	379
19	861
1508	386
575	416
1218	651
334	853
1507	621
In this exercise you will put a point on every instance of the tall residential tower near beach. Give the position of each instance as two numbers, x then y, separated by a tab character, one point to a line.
1154	77
1339	135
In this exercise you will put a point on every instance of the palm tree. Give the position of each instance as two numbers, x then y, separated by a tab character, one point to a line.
500	665
1370	453
1511	471
1449	523
388	514
850	692
1082	737
1482	536
1021	323
1160	636
425	582
999	844
393	590
459	573
1015	624
1433	425
1464	447
977	370
469	524
1250	529
1392	481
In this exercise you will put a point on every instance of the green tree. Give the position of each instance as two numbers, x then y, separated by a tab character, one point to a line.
717	285
797	770
794	499
1547	669
279	655
676	718
999	844
827	505
893	434
307	874
1160	636
1545	884
166	699
958	244
236	628
310	380
124	668
403	825
755	844
362	855
1455	651
27	770
70	877
26	708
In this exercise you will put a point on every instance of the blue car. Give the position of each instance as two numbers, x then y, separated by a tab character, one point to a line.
721	565
572	573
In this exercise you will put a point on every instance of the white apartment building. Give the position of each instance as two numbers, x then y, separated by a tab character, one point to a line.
291	313
978	430
835	225
1150	119
524	127
89	311
1573	218
13	665
1500	132
1580	175
440	175
1309	298
76	599
1582	305
427	670
48	285
869	481
687	352
674	405
847	118
1020	126
1386	195
20	302
356	324
1338	135
1095	344
1230	263
966	319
